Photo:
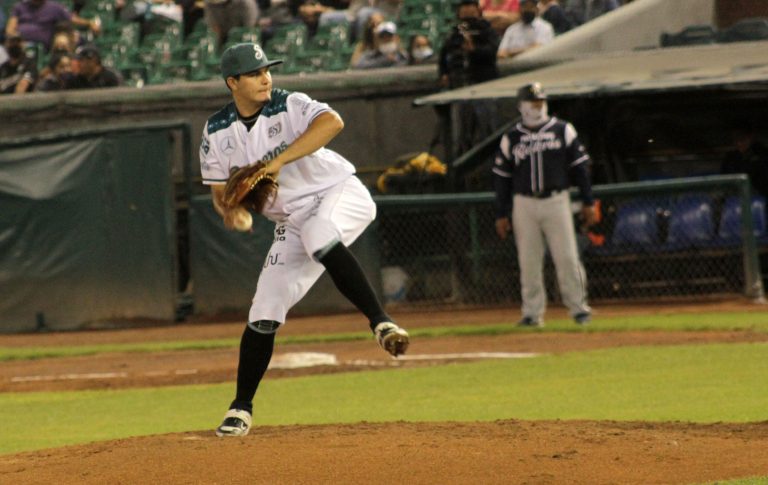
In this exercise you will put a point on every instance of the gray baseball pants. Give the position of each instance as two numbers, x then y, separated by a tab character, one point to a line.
534	221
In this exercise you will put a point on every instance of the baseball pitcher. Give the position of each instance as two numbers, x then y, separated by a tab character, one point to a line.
269	144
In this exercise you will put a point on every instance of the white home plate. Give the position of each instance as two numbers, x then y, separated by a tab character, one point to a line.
298	360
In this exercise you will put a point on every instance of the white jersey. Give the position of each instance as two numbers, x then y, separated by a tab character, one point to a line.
228	144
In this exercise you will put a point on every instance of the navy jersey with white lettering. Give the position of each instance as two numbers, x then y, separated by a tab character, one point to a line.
536	161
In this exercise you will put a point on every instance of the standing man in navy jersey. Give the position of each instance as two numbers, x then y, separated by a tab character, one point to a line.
537	161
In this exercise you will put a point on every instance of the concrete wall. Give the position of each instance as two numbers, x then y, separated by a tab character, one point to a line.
376	106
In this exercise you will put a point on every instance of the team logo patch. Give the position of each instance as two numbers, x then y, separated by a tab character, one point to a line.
257	52
274	130
205	145
227	145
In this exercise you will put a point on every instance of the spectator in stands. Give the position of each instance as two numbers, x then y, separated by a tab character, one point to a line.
388	52
500	13
367	41
18	73
222	15
316	13
59	73
554	13
749	156
361	10
193	12
529	33
65	39
93	25
274	14
420	51
468	56
582	11
90	72
36	21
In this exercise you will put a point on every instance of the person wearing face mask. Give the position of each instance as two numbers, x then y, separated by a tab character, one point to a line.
538	159
420	51
530	32
388	52
18	73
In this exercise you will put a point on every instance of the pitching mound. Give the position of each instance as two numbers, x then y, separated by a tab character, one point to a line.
500	452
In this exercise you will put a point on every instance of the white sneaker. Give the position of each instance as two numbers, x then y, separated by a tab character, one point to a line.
392	338
236	423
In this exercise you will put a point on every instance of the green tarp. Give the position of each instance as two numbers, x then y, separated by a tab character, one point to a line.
86	230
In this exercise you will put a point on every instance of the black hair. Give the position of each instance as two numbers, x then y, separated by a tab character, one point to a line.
56	58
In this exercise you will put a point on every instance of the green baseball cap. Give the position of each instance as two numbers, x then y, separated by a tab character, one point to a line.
243	58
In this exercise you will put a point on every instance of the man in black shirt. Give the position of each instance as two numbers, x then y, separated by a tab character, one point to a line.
468	56
538	160
750	157
18	73
91	73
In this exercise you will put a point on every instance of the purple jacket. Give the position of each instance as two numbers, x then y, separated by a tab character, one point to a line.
36	24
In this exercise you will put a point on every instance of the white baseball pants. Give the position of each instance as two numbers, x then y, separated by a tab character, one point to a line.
341	213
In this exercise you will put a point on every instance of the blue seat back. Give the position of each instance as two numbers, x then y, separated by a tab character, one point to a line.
636	225
730	221
691	222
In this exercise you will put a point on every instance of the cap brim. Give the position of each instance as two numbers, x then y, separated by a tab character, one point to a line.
268	64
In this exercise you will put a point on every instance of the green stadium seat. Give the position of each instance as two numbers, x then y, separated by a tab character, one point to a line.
237	35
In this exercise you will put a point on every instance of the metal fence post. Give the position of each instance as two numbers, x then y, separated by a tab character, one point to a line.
753	278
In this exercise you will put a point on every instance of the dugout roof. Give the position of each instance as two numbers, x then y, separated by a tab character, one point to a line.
741	65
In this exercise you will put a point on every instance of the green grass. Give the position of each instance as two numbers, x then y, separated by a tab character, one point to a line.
697	383
757	322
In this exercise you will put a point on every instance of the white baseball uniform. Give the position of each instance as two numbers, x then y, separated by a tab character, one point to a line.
319	202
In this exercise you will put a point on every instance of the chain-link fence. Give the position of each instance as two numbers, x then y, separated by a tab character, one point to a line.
680	238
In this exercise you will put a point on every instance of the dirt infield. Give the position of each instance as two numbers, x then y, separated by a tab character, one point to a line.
498	452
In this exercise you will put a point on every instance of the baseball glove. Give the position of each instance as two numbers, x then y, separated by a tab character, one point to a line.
249	187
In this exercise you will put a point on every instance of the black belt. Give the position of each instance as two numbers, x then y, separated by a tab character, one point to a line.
541	195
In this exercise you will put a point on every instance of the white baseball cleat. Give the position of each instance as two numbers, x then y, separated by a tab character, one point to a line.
392	338
237	422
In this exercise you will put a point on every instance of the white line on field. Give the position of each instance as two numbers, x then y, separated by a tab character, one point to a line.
291	360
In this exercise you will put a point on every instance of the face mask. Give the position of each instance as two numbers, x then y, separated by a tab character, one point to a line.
533	116
421	53
388	48
15	51
528	17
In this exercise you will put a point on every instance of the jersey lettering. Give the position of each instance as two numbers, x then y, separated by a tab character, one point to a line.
270	155
536	143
